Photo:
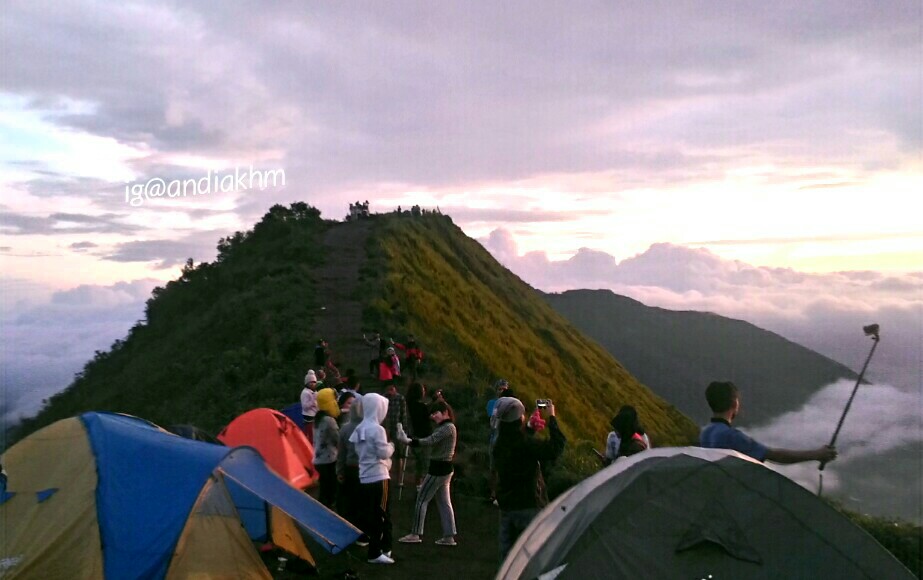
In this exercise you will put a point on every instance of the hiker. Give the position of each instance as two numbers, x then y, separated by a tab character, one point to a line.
724	400
2	480
397	413
374	453
321	353
502	387
326	443
413	356
353	385
627	436
389	367
345	402
375	352
321	379
348	496
438	478
420	427
309	403
517	457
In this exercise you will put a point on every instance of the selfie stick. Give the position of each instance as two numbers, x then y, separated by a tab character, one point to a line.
871	330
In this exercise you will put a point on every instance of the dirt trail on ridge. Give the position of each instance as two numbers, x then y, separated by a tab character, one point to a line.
339	321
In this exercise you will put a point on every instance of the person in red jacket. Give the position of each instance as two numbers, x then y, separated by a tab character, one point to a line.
413	356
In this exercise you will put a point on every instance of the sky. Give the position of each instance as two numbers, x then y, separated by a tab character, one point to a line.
759	160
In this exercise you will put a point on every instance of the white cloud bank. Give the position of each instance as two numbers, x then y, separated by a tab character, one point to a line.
49	339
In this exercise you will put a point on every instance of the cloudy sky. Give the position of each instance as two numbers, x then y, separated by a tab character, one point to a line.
754	159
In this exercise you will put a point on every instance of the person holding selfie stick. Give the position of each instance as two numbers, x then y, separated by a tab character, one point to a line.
517	457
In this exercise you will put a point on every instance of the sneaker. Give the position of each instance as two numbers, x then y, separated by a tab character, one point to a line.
446	541
494	502
362	543
411	539
381	559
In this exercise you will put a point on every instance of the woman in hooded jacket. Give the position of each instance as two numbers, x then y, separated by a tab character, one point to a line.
326	444
374	452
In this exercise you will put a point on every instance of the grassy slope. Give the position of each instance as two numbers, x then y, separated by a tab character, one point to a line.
223	338
478	322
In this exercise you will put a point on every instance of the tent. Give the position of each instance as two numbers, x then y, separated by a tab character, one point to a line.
694	513
293	412
281	443
192	432
104	495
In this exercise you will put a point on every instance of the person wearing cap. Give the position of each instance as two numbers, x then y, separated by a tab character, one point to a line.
326	444
309	403
517	457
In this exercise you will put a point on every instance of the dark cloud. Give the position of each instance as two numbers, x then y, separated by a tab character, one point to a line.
200	246
437	95
64	223
82	246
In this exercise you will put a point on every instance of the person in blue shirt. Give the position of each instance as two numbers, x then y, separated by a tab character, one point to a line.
724	400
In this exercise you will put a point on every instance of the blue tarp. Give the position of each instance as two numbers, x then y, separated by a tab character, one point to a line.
293	412
325	527
148	482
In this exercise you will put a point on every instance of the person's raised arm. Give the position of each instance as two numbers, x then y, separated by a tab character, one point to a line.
789	456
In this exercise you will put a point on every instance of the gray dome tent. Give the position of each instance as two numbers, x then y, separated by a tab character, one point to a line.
694	513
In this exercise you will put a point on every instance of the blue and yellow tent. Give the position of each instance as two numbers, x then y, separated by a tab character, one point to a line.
111	496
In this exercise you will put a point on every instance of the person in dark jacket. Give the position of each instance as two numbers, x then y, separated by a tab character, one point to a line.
420	426
516	457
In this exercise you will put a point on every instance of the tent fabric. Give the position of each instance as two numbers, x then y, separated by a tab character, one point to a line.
293	412
134	501
281	443
202	551
691	513
192	432
59	537
286	536
324	526
136	460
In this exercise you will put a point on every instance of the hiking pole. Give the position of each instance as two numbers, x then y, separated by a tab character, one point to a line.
872	330
403	469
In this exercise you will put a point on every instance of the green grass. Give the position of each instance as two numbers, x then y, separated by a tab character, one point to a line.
478	322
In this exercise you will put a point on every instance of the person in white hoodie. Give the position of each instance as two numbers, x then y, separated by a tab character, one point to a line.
375	453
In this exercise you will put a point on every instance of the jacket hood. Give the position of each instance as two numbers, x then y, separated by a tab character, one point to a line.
327	402
374	411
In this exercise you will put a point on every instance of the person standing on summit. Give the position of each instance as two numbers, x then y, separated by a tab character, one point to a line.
724	400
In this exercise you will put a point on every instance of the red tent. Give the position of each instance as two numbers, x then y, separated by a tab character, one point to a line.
281	443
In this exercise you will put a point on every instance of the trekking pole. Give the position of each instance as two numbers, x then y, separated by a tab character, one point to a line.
872	330
403	469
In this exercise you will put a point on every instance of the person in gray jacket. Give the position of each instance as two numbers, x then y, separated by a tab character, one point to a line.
326	444
348	471
438	478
